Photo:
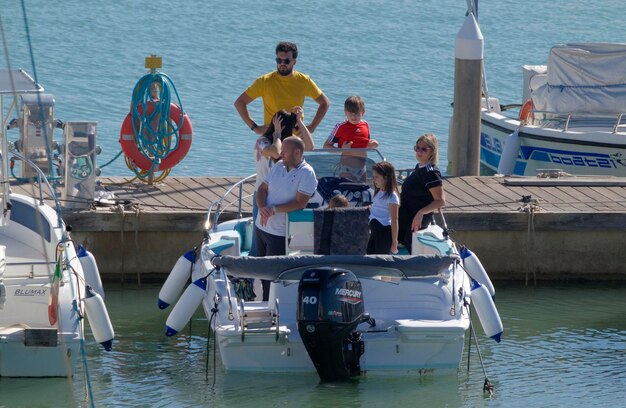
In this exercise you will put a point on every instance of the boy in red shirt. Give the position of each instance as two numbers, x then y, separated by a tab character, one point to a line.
353	132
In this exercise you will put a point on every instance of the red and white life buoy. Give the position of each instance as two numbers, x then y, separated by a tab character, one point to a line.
526	113
131	150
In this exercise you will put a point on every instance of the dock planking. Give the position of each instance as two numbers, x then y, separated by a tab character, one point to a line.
540	225
465	194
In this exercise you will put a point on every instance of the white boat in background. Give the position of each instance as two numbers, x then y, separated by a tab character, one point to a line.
47	285
331	308
571	116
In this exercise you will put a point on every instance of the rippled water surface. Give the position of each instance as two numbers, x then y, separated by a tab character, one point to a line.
399	55
564	345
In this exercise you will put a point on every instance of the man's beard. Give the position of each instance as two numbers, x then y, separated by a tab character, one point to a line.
284	73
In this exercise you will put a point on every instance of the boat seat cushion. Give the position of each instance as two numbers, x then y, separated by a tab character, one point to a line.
341	231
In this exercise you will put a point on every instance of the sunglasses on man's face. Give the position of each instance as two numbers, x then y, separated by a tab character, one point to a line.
285	61
421	149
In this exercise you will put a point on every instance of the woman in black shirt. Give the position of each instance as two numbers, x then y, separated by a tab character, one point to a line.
422	191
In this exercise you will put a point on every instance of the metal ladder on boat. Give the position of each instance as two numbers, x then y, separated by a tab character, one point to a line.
259	319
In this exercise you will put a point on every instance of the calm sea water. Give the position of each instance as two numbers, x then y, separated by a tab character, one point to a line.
399	55
563	346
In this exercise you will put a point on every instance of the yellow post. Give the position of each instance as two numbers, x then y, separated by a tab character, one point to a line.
153	62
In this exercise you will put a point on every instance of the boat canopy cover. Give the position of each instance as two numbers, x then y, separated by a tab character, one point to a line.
274	267
584	79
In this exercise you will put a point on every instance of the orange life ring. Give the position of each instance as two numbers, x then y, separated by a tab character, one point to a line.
526	112
131	150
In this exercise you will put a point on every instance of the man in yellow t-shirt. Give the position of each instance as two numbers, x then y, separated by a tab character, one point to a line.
284	88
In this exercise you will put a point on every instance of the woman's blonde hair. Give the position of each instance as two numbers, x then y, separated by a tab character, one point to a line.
431	141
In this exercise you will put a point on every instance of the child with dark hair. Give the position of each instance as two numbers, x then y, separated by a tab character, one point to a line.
285	120
383	221
338	201
268	146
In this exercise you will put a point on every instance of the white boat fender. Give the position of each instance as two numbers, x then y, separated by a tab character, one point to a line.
3	263
176	280
90	270
475	269
98	318
487	312
508	158
185	307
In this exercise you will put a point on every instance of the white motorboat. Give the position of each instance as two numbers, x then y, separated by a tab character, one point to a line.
570	118
47	284
333	309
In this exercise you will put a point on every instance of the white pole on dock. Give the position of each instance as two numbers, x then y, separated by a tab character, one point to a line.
465	150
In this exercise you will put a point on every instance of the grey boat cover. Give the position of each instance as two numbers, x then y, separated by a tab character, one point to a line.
272	267
584	79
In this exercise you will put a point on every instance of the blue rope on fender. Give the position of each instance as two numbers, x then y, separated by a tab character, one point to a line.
155	133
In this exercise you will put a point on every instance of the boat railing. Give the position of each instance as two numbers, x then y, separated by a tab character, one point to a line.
42	181
563	120
221	205
444	225
402	174
29	270
618	124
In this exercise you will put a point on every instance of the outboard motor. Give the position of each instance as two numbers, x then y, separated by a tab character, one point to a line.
330	307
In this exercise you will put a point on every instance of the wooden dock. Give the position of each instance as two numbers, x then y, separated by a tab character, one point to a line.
521	228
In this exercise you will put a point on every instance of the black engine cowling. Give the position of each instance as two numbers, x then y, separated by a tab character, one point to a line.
330	306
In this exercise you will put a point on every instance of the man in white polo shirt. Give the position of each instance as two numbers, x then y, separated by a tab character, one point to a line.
288	187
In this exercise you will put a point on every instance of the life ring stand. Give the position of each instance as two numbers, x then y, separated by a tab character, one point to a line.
131	150
526	113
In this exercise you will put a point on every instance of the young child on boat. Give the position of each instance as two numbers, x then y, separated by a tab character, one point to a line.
338	201
383	220
353	132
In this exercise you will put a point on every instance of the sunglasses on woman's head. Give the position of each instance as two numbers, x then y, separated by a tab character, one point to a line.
421	149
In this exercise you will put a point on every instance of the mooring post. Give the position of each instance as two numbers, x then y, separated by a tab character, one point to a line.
465	135
153	62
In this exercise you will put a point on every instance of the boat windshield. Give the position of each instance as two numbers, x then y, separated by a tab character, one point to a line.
344	171
354	165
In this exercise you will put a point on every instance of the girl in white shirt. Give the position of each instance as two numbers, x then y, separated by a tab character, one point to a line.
383	221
